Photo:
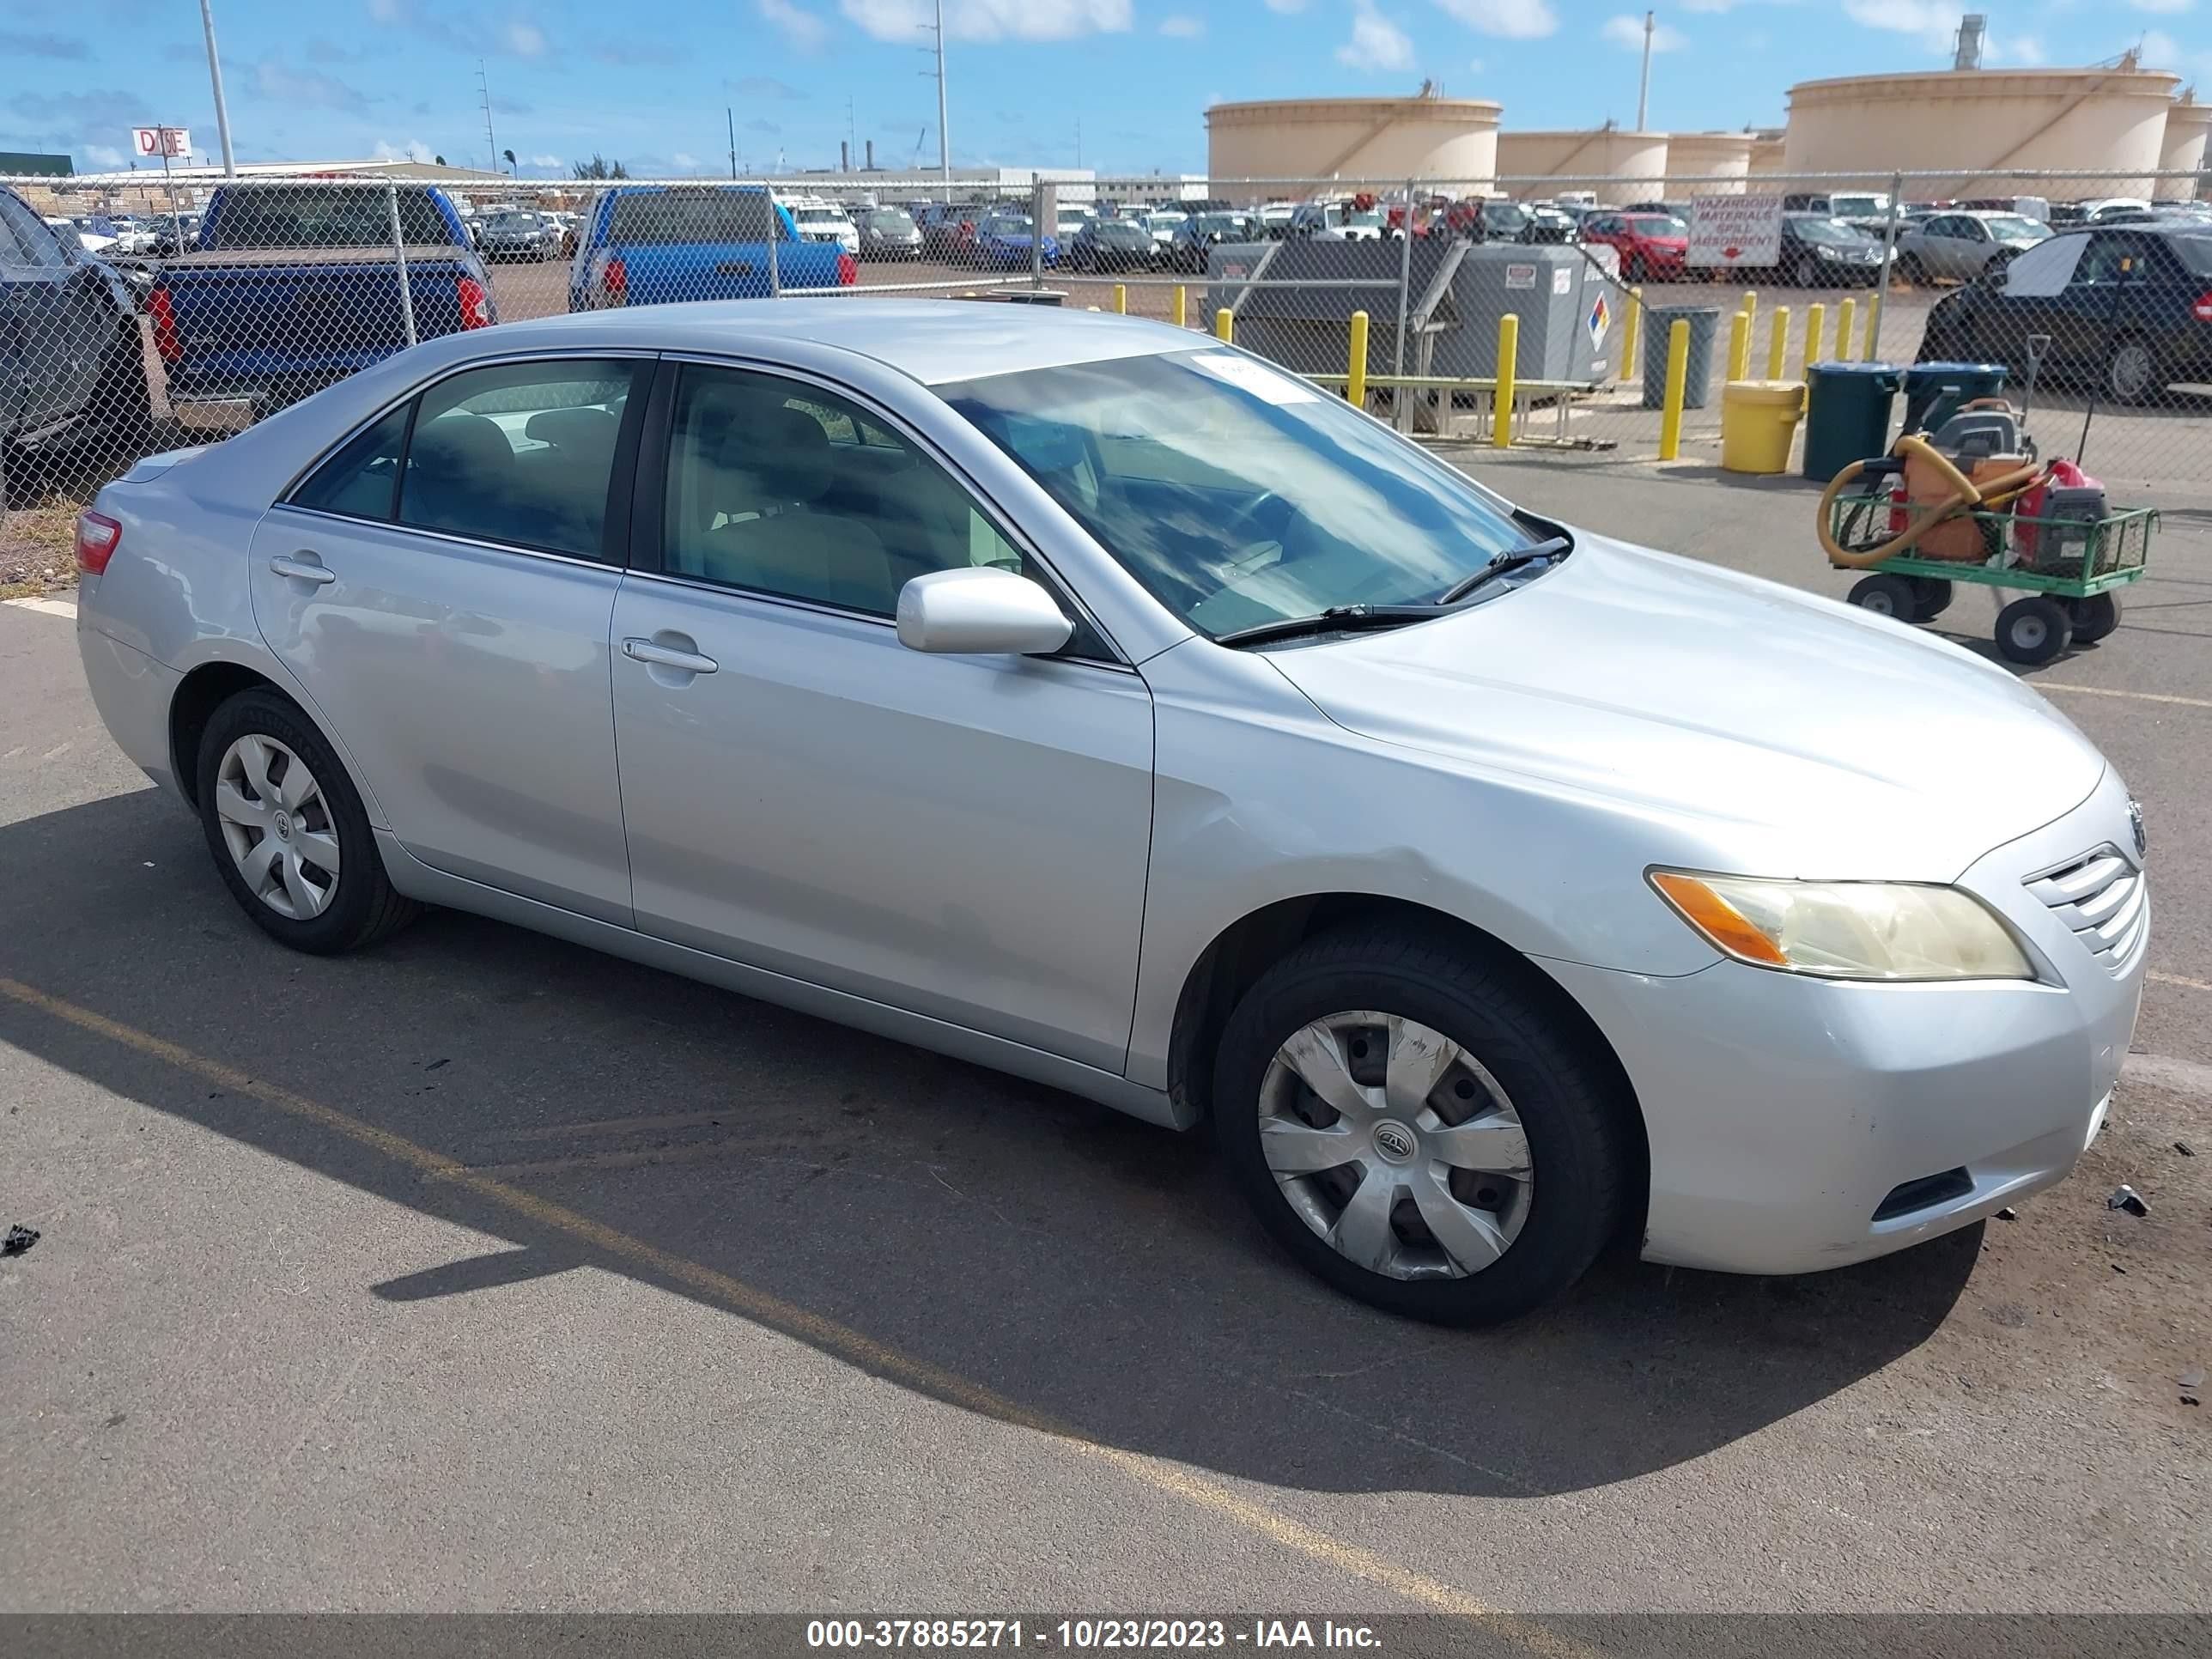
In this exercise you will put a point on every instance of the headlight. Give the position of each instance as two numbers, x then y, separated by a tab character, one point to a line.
1825	252
1865	930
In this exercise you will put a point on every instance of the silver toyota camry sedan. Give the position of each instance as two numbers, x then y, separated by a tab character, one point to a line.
1092	700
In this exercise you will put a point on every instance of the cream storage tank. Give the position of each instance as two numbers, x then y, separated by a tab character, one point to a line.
1370	140
1967	124
2187	124
1719	161
1620	167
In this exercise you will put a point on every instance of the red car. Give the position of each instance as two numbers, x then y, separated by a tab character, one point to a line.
1651	246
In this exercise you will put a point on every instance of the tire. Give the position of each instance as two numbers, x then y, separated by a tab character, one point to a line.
1808	271
1932	597
1887	596
2034	630
2094	617
1633	270
1559	1122
2131	374
1914	273
358	905
121	413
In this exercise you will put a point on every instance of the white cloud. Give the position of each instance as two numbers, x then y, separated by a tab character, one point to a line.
901	21
384	11
1286	6
2164	8
413	150
1707	5
1475	66
525	40
2027	52
1509	20
802	28
1935	22
102	156
1628	32
2161	50
1180	27
685	163
547	162
1376	43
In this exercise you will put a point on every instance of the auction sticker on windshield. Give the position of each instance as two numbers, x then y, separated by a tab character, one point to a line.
1734	230
1257	378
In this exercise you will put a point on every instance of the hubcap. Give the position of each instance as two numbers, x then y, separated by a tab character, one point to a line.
1395	1145
277	826
2029	633
2130	371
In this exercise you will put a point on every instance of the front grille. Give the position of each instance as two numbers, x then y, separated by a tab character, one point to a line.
2105	899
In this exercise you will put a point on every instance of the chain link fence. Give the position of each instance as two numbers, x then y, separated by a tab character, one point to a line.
138	317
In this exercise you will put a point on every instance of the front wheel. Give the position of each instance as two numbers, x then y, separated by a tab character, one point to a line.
1809	272
2034	630
1419	1127
288	831
2132	372
1887	596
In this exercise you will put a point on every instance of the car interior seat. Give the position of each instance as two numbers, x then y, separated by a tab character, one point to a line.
770	473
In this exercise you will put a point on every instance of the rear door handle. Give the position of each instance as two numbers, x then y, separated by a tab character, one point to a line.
664	656
303	569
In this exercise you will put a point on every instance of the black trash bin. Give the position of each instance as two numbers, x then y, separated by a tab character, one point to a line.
1934	391
1658	324
1847	415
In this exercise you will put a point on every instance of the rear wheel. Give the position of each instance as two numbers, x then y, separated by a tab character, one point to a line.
2034	630
2131	372
288	831
1931	597
2094	617
1887	596
1413	1124
121	415
1914	273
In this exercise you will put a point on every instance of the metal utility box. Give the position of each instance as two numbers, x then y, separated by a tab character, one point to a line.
1570	313
1307	329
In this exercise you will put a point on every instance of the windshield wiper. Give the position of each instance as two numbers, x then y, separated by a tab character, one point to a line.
1506	562
1336	618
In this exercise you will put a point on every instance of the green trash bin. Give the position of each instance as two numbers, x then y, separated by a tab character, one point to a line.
1847	415
1935	391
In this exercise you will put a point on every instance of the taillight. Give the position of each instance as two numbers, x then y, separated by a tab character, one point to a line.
97	538
2201	311
848	270
164	316
615	280
475	304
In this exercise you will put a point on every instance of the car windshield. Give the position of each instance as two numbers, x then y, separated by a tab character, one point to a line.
1010	224
1859	207
1657	224
1219	224
891	221
323	215
817	215
1237	494
1119	232
2012	228
1505	215
1163	220
2195	247
1828	231
512	222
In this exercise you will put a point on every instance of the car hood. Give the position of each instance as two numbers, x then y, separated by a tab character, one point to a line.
1799	735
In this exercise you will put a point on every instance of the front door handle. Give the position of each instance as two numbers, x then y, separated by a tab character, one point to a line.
303	569
665	656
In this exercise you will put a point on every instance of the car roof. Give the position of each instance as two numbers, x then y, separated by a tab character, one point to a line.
932	341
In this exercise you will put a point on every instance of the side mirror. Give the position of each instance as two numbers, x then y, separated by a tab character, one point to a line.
980	611
1995	278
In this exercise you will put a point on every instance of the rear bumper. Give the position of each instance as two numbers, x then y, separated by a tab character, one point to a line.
132	693
1798	1124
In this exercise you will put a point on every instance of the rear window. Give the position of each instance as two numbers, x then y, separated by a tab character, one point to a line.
322	215
2194	248
690	215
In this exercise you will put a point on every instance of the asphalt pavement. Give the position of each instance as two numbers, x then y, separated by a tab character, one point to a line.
481	1271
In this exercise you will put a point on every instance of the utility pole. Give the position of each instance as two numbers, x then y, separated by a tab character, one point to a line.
944	138
221	109
1644	87
484	87
730	114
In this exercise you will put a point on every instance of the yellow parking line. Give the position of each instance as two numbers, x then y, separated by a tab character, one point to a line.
2107	691
828	1335
2176	978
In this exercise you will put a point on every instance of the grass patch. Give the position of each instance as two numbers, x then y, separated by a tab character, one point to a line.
34	540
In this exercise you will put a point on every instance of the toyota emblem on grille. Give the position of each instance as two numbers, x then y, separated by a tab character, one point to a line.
2136	824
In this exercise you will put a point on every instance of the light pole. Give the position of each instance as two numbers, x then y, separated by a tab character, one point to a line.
215	75
944	138
1644	87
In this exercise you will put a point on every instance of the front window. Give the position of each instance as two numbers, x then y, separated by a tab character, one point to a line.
1011	224
1829	233
1858	207
1658	224
2012	228
891	223
1238	494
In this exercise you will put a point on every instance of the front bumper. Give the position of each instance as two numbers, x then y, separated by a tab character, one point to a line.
1783	1112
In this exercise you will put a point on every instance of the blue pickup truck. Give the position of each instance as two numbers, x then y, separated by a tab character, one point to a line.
293	286
651	244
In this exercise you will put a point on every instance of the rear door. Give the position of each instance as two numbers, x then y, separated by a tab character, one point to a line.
442	587
2035	294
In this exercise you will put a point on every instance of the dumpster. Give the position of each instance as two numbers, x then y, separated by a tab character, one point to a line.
1658	324
1847	415
1935	391
1758	422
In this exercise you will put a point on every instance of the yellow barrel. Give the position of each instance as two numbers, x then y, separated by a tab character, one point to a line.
1758	423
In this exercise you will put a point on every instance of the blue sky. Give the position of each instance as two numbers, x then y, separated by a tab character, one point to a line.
313	79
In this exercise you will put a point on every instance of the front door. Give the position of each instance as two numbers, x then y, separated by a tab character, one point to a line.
443	586
964	837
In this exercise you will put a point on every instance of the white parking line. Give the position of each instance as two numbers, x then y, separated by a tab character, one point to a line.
64	608
2107	691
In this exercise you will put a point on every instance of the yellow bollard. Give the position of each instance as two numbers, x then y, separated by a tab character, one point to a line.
1739	357
1121	298
1816	320
1873	326
1678	376
1844	315
1225	325
1181	306
1501	400
1778	342
1632	315
1750	304
1355	371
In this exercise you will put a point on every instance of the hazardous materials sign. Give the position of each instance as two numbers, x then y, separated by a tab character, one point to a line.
1728	231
